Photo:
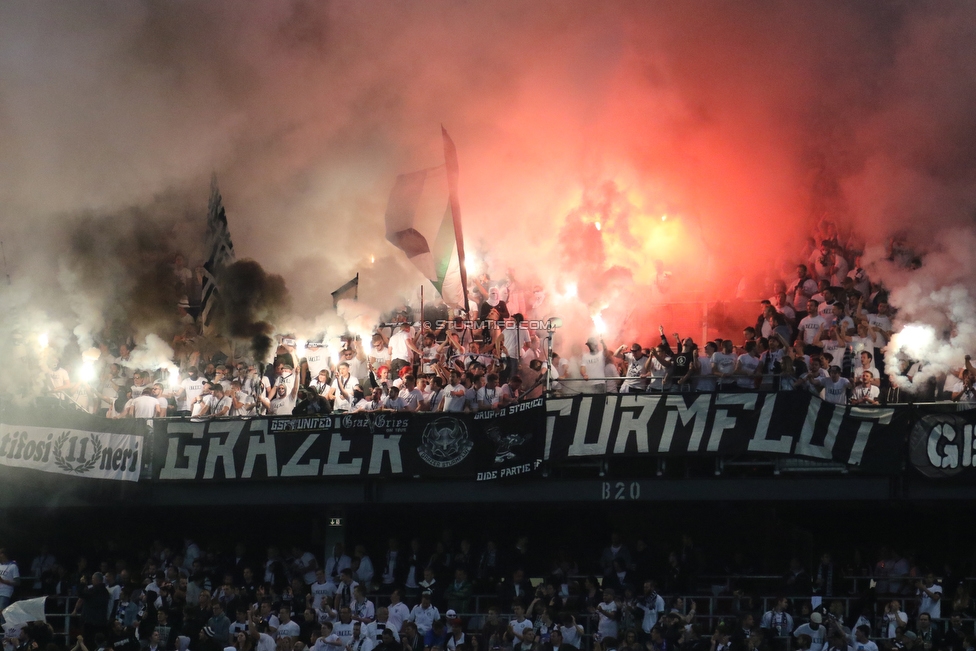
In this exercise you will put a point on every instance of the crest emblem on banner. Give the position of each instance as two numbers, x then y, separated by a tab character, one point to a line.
445	443
505	443
82	467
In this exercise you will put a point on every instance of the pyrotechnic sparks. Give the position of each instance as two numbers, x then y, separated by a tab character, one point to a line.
87	372
174	376
599	325
42	340
598	226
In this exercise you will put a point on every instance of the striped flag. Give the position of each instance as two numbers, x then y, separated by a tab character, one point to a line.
221	253
424	209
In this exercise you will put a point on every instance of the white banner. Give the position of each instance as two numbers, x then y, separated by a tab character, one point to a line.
79	453
21	612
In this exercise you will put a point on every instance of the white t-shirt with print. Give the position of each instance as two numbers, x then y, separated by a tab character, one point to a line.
835	392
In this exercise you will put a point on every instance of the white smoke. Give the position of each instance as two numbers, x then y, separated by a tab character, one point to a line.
936	320
153	353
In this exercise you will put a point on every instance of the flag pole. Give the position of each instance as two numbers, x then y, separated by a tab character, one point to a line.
421	309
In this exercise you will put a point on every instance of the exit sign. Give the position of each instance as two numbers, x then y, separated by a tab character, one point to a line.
335	522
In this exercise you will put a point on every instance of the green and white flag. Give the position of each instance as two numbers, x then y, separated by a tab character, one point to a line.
424	208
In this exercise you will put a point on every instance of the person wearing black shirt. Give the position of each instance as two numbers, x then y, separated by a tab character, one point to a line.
682	365
124	638
388	642
93	604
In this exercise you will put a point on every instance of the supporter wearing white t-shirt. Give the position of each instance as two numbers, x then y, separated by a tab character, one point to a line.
834	386
9	578
402	346
572	632
219	405
841	320
316	357
410	394
242	404
810	381
815	629
865	393
343	388
634	361
861	640
453	395
811	325
393	402
607	610
190	388
321	589
520	624
880	326
283	404
593	365
397	613
865	362
489	394
723	364
286	626
746	366
705	380
930	597
373	403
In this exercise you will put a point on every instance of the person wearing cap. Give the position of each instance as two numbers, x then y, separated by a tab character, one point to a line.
815	629
455	636
635	361
424	614
206	640
218	404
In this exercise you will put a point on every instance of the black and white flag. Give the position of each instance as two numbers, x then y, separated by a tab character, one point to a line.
221	253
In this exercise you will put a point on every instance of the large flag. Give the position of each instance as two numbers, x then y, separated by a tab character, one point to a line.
348	290
21	612
221	253
424	208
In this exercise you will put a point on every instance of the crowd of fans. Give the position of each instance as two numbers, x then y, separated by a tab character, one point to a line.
825	330
459	598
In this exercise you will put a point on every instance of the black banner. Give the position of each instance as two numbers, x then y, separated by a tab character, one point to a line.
941	443
782	424
484	446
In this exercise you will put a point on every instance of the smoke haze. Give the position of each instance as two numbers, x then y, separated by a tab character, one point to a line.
743	123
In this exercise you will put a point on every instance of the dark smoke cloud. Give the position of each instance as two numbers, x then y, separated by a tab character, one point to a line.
745	121
251	301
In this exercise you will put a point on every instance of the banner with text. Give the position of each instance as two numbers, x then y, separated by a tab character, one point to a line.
941	441
782	424
485	445
72	443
